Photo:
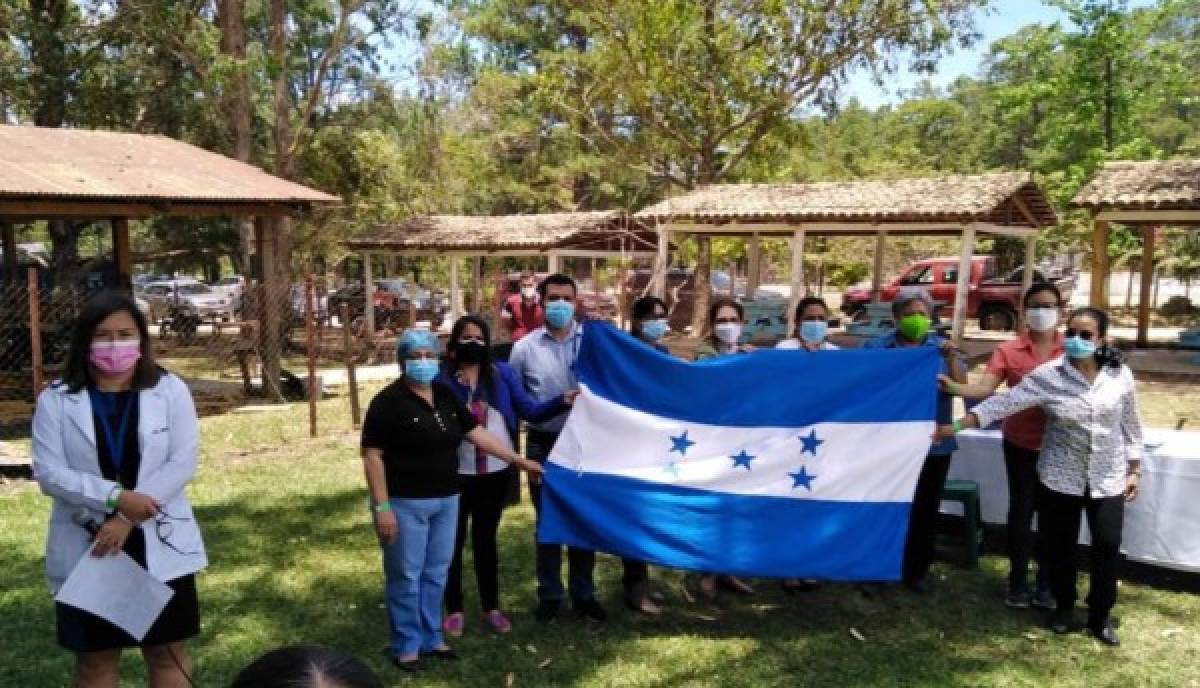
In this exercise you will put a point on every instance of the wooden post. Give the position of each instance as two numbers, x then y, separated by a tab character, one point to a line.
962	291
733	279
477	285
797	277
754	265
35	330
1027	274
877	268
455	290
351	376
310	346
552	263
269	330
369	301
662	261
8	245
122	259
1098	295
1146	298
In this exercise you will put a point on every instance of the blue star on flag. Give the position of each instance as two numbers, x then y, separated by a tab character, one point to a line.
742	459
681	444
801	478
810	442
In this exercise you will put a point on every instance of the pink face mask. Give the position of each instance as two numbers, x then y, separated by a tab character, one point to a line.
114	358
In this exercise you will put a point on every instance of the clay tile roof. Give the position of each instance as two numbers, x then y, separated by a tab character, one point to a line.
1145	185
40	163
957	199
598	230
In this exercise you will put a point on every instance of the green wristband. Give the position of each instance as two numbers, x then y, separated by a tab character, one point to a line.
957	426
953	388
381	507
114	498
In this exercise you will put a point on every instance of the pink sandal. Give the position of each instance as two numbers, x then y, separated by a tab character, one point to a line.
498	621
452	625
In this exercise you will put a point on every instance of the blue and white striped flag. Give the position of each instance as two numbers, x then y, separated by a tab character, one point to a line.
775	463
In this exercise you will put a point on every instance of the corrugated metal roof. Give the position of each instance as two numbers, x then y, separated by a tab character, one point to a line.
594	230
1143	185
960	198
73	164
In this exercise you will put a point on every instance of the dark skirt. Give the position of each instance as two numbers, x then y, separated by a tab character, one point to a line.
80	631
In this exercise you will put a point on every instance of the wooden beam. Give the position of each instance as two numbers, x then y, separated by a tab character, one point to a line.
797	277
877	267
369	300
754	265
1146	298
662	262
270	334
1098	294
122	257
477	285
1024	210
1027	273
8	246
552	262
962	291
455	291
1155	216
777	229
64	209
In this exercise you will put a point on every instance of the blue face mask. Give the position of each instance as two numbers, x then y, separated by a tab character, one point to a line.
421	370
654	330
559	313
813	331
1078	347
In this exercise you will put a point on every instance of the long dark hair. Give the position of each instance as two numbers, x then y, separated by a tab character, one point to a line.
1106	356
451	364
644	308
77	373
301	666
710	325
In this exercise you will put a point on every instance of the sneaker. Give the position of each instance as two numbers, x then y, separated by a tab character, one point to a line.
498	621
547	611
1017	599
1104	632
591	610
452	625
1043	600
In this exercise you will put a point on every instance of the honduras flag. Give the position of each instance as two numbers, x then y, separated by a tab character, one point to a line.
774	464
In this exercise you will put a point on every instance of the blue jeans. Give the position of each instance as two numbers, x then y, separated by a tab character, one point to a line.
414	570
580	562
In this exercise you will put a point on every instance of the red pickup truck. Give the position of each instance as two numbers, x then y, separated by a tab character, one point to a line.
993	298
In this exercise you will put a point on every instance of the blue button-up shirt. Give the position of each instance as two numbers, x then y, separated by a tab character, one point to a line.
945	405
547	368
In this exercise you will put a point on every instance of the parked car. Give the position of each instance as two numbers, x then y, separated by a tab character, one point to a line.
993	298
186	297
392	299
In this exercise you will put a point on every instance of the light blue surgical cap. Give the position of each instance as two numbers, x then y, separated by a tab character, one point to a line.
414	339
907	295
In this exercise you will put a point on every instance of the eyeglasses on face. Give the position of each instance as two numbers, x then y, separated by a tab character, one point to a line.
728	321
471	340
1082	334
421	354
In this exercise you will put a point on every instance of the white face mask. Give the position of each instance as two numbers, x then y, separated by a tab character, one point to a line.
728	333
1041	319
529	292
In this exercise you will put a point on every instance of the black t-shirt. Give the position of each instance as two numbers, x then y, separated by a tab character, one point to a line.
419	441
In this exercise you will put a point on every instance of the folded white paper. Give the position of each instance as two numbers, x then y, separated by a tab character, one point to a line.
116	589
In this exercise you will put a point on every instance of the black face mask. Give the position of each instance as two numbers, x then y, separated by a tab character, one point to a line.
470	352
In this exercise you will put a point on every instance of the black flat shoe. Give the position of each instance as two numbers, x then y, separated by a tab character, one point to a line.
410	666
445	654
1105	633
547	611
590	609
1063	623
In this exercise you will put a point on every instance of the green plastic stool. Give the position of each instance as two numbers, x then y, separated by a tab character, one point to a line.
966	492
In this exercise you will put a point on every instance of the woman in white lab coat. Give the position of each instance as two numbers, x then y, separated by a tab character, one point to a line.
114	444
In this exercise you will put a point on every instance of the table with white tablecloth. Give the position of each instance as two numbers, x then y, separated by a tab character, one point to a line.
1162	526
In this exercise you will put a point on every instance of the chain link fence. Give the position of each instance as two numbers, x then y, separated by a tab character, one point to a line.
232	346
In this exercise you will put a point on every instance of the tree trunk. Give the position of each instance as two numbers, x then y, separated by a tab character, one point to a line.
231	17
285	157
1129	288
702	283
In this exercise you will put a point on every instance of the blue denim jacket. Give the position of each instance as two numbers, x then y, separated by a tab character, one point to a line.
945	405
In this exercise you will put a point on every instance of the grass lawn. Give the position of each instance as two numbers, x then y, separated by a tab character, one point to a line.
294	560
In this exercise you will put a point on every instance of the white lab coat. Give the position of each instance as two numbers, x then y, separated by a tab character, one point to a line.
66	466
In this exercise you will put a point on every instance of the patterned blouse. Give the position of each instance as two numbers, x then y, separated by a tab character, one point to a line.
1092	429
